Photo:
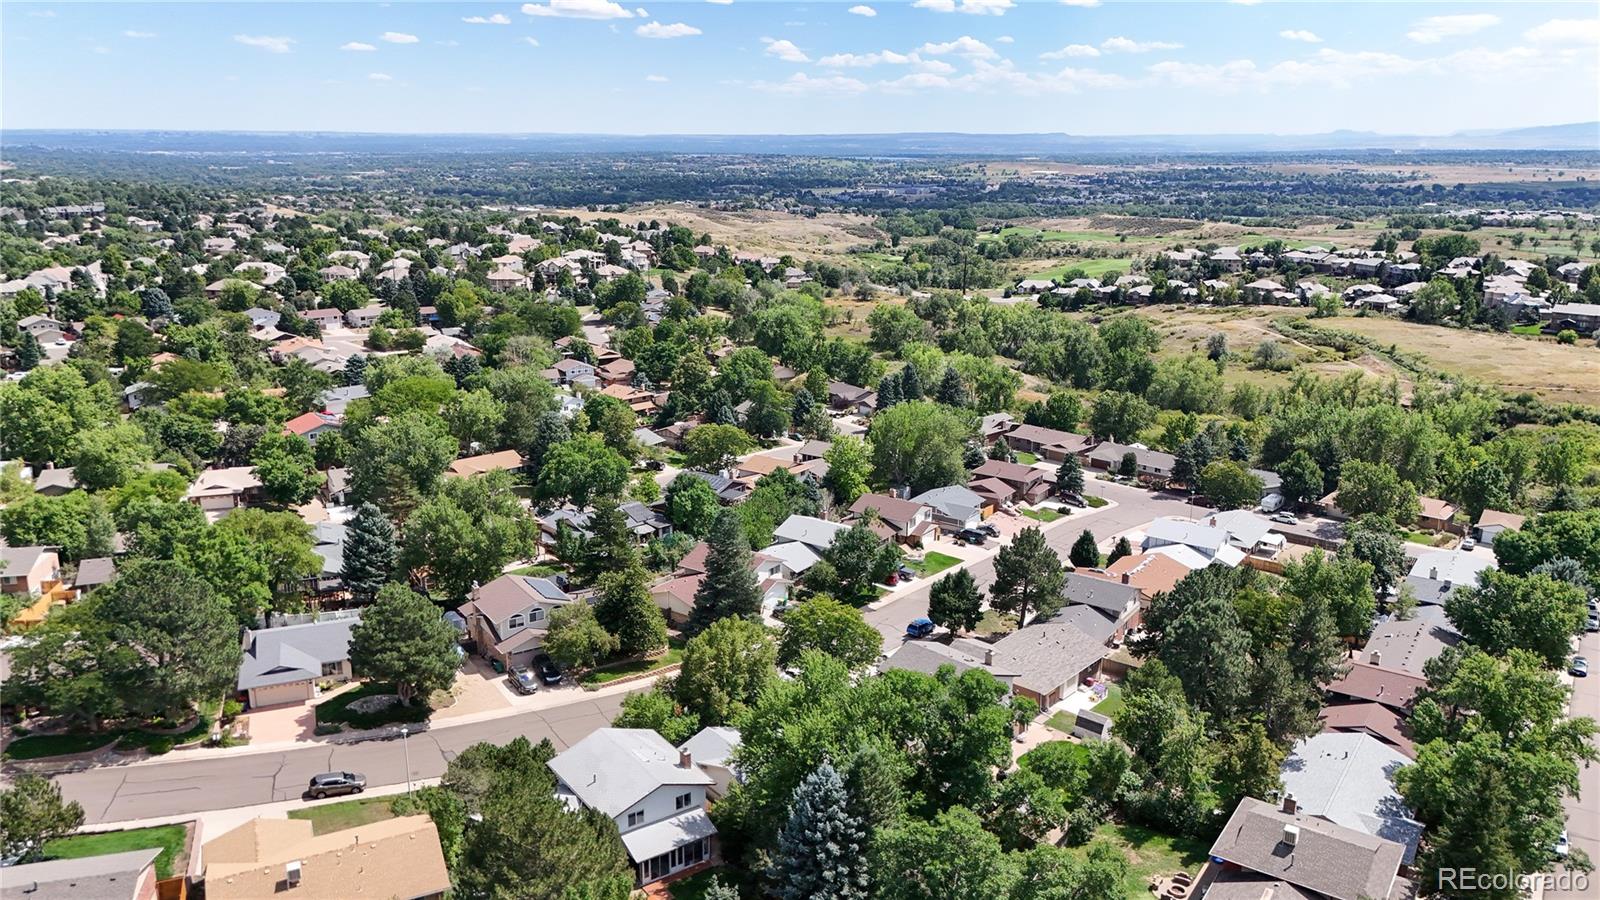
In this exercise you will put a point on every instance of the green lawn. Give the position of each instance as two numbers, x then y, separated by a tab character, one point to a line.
169	838
1026	458
38	746
610	673
1112	704
337	710
538	571
932	564
1148	853
1092	268
349	814
1094	502
1044	514
996	623
1062	722
1534	330
695	887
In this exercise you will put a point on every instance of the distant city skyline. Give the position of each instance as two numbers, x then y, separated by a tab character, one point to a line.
744	67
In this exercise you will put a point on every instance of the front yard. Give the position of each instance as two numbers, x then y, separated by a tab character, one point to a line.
932	564
156	740
348	814
170	838
1044	514
367	707
608	673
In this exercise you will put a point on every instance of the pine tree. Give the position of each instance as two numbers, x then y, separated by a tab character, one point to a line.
609	547
1069	476
719	409
955	603
369	552
28	352
1001	450
911	384
729	587
624	609
952	390
549	430
973	456
355	370
820	848
1123	548
889	392
1085	552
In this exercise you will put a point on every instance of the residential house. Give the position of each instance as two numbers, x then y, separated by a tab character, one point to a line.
1250	533
1347	778
1368	682
397	858
313	425
499	461
40	325
961	654
1379	722
906	521
355	259
365	317
1436	515
712	750
1149	573
129	875
618	371
1584	318
1408	644
676	596
644	523
818	534
812	450
992	426
53	482
222	490
1027	484
322	317
327	542
955	507
1152	465
284	665
338	273
93	573
654	792
1270	851
508	617
1492	522
1051	660
1211	543
505	280
858	400
1047	443
336	400
271	272
28	570
1099	607
572	371
1451	567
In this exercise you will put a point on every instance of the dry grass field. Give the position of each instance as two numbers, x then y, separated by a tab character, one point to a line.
754	230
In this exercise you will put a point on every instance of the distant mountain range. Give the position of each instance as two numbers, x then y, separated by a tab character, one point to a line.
1577	136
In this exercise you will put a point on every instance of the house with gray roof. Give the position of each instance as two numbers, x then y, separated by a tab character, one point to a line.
818	534
1051	659
961	654
1347	778
1268	850
712	750
653	791
955	507
283	665
509	617
1408	645
130	875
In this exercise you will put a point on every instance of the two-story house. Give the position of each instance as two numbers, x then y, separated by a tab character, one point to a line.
1026	484
509	617
220	491
907	521
654	792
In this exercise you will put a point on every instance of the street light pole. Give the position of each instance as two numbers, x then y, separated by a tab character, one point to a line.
405	743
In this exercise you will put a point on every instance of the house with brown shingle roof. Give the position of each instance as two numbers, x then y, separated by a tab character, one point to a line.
399	858
1028	485
1494	521
1365	681
908	522
1269	850
509	616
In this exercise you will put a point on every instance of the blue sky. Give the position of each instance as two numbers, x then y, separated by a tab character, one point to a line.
1077	66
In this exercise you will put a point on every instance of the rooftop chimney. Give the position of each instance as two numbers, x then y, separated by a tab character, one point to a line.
988	657
291	873
685	761
1433	573
1124	577
1289	804
1376	658
1291	834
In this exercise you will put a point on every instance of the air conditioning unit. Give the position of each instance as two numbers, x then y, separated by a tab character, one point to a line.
291	872
1291	834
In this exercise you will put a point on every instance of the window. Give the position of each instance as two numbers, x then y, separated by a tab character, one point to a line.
535	615
333	668
684	800
634	818
515	622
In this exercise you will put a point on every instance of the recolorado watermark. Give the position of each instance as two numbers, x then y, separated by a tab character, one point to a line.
1470	879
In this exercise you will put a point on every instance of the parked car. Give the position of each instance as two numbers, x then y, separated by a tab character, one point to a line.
522	680
549	672
332	784
1074	500
1562	848
893	579
972	536
654	465
1286	519
1468	544
989	529
1594	622
906	573
919	628
1578	668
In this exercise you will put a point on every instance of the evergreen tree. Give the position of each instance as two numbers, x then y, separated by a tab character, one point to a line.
1027	577
609	547
973	456
28	352
1001	450
549	430
719	409
355	370
369	552
952	390
1123	548
1069	476
401	639
624	609
955	603
1085	554
911	384
889	392
729	587
821	848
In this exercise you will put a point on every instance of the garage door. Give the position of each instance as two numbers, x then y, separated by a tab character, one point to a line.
280	694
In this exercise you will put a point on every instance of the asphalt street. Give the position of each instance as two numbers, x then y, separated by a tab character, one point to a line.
1135	508
152	789
1583	811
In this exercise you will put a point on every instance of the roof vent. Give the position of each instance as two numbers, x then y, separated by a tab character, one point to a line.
1291	834
1376	658
291	873
1290	804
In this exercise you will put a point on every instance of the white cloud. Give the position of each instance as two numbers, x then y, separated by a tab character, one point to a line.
265	42
970	7
138	35
1128	45
801	83
531	41
1300	34
379	76
1083	3
577	9
662	79
785	50
664	32
496	19
867	11
863	60
1434	29
719	3
1071	50
398	37
965	45
1004	39
1565	31
358	46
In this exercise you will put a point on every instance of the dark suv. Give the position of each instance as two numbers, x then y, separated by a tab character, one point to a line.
332	784
549	672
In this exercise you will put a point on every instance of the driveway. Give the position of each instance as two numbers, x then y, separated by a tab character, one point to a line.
281	724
